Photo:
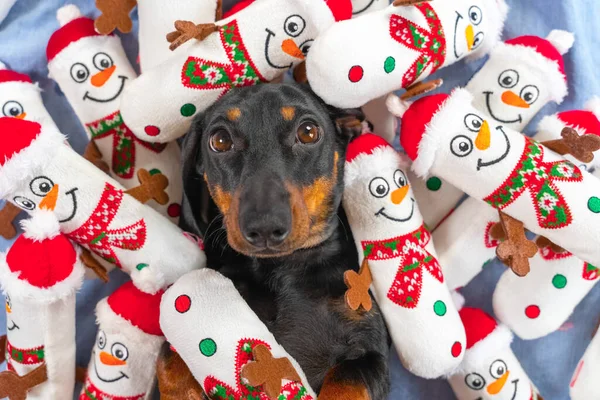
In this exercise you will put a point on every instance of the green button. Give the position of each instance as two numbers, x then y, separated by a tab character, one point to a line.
439	308
187	110
594	204
208	347
389	65
434	183
559	281
141	266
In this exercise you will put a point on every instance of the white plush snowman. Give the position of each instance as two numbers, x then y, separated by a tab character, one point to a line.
256	44
490	370
399	46
227	348
447	137
521	76
123	363
21	98
38	171
40	274
408	282
156	20
92	71
584	384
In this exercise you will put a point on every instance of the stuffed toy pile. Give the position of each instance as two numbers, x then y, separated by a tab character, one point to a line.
466	187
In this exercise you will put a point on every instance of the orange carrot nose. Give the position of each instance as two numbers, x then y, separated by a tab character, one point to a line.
512	99
49	201
496	386
101	77
108	359
8	310
21	116
483	139
291	48
470	37
399	194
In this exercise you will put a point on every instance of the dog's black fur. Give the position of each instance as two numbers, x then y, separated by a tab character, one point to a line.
297	292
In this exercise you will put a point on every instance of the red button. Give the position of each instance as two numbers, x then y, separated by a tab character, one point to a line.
456	349
152	130
183	303
532	311
356	73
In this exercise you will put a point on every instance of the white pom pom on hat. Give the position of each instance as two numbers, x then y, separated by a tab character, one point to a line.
68	13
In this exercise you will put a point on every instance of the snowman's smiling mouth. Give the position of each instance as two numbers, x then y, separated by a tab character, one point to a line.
365	8
87	96
13	327
488	95
384	214
458	18
482	164
74	209
514	396
123	375
271	34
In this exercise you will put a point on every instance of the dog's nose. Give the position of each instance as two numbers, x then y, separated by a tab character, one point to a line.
269	233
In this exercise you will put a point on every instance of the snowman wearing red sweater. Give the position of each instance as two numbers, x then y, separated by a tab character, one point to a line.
92	71
123	363
408	281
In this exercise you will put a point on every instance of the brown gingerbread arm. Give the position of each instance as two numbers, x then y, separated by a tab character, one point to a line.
15	387
357	294
420	88
582	147
7	217
404	3
219	10
92	154
90	262
114	15
516	250
152	187
187	30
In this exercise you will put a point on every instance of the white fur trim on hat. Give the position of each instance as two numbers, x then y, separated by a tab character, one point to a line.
507	54
550	128
2	65
396	106
499	339
593	105
68	13
499	9
22	290
111	323
363	165
27	163
458	299
41	225
562	40
437	129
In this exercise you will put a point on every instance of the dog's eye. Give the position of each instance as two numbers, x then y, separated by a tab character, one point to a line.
308	133
220	141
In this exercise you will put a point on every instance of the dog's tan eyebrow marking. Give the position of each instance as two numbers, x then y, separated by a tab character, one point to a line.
288	113
233	114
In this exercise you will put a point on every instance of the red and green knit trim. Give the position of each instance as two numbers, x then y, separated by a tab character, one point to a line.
590	272
202	74
539	177
431	44
410	248
31	356
91	392
124	143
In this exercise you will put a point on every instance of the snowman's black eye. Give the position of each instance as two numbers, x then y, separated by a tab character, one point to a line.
508	79
305	47
79	72
24	203
379	187
101	340
475	15
530	94
41	186
475	381
473	122
12	109
102	61
400	178
294	25
461	146
478	40
498	368
119	351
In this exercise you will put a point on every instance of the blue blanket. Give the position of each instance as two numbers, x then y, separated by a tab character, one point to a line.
549	361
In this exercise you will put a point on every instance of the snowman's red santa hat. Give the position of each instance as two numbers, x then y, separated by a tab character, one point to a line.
340	9
41	271
74	27
26	150
485	337
131	313
7	75
539	55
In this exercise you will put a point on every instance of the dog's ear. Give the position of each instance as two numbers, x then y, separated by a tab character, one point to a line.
195	191
348	122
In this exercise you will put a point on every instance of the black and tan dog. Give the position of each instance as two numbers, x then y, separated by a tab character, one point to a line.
272	157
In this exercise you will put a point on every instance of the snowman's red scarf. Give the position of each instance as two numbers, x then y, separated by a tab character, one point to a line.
202	74
91	392
537	176
218	390
31	356
431	44
410	248
94	233
124	143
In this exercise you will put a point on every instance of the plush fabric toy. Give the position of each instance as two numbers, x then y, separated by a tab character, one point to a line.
40	275
400	46
360	7
521	76
123	363
93	70
254	45
231	357
529	184
5	8
584	384
490	370
408	282
156	20
38	171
